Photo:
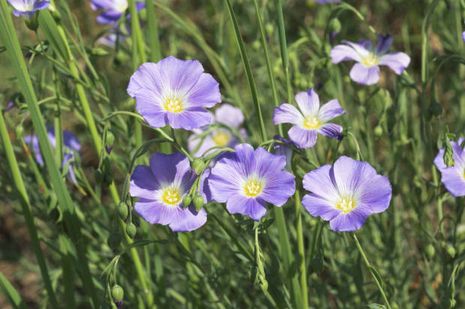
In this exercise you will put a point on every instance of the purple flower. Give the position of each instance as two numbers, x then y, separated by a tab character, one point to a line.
174	92
309	119
463	36
248	179
366	71
28	7
346	193
71	146
161	188
111	10
204	139
453	177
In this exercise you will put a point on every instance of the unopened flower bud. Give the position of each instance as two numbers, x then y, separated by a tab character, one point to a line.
198	201
117	293
123	211
335	26
378	131
131	230
430	251
187	200
198	165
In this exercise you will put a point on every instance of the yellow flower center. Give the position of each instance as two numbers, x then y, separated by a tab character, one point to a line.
370	60
312	123
171	196
346	204
173	105
221	138
253	187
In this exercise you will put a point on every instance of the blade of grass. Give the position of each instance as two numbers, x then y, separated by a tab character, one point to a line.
11	293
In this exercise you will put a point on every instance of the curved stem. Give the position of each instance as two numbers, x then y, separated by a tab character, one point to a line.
371	268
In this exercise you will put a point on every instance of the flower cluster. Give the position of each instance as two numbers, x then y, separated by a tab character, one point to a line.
177	93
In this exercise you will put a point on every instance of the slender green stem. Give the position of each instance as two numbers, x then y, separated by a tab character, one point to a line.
372	271
26	206
269	65
10	40
248	70
301	249
283	47
154	40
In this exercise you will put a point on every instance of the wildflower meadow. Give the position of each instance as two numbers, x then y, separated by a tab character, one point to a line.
232	154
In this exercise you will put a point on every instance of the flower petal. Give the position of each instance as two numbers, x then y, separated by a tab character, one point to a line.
331	130
287	113
309	102
205	93
344	52
454	180
164	167
189	119
156	213
238	204
303	138
397	62
375	193
364	75
330	110
143	183
320	183
348	222
319	207
349	174
229	115
188	220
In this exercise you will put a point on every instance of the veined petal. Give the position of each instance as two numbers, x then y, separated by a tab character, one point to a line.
364	75
188	220
189	119
344	52
287	113
164	167
156	213
250	207
397	62
349	174
143	183
309	102
229	115
303	138
319	207
331	130
320	183
330	110
349	222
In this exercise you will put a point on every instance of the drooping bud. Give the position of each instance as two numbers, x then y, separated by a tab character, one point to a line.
117	293
335	26
448	153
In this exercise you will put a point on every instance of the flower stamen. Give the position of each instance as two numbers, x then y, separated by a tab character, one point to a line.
173	105
171	196
221	138
346	204
253	187
370	60
312	123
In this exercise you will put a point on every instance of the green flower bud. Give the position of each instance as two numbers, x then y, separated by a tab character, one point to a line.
335	26
187	200
430	251
378	131
110	138
198	201
131	230
123	211
117	293
99	52
198	165
448	154
451	251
